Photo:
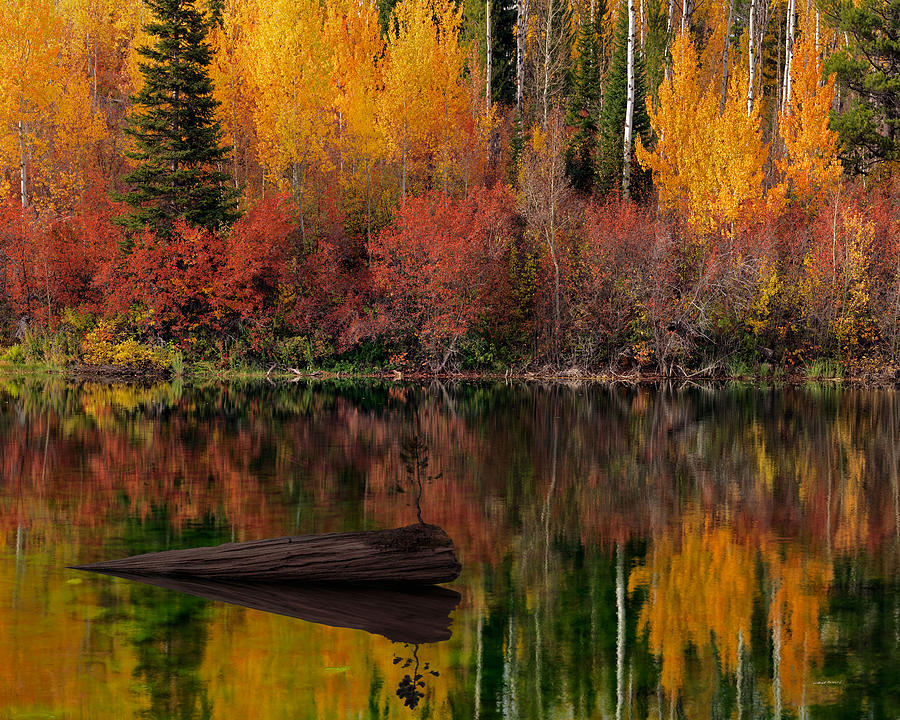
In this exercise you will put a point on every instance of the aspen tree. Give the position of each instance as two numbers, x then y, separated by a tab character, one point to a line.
629	107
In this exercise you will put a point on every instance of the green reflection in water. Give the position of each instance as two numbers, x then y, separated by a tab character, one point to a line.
628	553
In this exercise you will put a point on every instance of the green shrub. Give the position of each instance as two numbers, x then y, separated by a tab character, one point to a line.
14	355
824	368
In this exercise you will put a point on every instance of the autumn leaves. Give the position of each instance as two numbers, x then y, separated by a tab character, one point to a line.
336	97
710	158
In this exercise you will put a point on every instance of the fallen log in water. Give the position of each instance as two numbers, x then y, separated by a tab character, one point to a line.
420	614
420	554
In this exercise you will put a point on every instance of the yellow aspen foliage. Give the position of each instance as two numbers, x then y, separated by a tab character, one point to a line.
46	120
76	129
100	29
705	164
713	17
291	69
810	165
424	102
356	45
233	85
837	284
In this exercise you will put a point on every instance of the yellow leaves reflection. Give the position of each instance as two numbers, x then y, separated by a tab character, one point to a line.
58	661
800	588
702	588
703	582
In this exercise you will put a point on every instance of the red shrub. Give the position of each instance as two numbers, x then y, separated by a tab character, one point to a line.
441	269
50	264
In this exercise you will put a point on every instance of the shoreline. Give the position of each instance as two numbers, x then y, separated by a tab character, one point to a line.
887	377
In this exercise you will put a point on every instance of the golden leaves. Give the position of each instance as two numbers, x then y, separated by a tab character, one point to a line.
706	164
810	163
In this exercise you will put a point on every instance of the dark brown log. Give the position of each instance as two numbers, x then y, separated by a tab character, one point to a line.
416	615
420	553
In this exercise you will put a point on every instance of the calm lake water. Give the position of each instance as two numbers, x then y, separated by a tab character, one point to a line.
627	553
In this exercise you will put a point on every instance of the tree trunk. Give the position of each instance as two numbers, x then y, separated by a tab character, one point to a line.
751	48
726	45
789	55
670	19
488	63
415	554
521	30
629	107
620	627
23	165
779	85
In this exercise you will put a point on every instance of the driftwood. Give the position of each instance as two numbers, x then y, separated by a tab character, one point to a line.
417	554
416	615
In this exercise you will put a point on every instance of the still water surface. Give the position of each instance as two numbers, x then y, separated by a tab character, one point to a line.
627	553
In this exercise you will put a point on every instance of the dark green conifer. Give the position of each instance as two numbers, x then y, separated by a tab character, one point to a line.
612	118
177	138
869	126
584	106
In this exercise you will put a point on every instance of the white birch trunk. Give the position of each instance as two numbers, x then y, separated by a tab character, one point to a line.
788	54
817	36
23	165
521	30
687	10
548	43
488	63
620	620
670	19
629	107
751	47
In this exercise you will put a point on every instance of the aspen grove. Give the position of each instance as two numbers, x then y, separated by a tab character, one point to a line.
605	186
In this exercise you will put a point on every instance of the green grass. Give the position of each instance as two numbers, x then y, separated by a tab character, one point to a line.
825	369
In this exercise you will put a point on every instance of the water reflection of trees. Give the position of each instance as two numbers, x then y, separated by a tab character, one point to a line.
625	462
753	525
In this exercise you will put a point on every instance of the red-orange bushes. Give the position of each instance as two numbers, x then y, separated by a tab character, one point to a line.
331	303
850	281
618	268
197	281
174	278
48	265
441	269
253	283
80	244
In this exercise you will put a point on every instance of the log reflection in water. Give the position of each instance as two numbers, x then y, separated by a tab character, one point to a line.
418	615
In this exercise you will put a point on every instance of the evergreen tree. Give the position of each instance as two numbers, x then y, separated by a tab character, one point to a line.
870	68
176	135
584	106
612	118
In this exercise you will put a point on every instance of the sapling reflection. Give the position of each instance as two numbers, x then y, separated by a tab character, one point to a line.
411	688
414	455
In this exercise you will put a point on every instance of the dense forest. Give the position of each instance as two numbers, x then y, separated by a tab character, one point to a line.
582	185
